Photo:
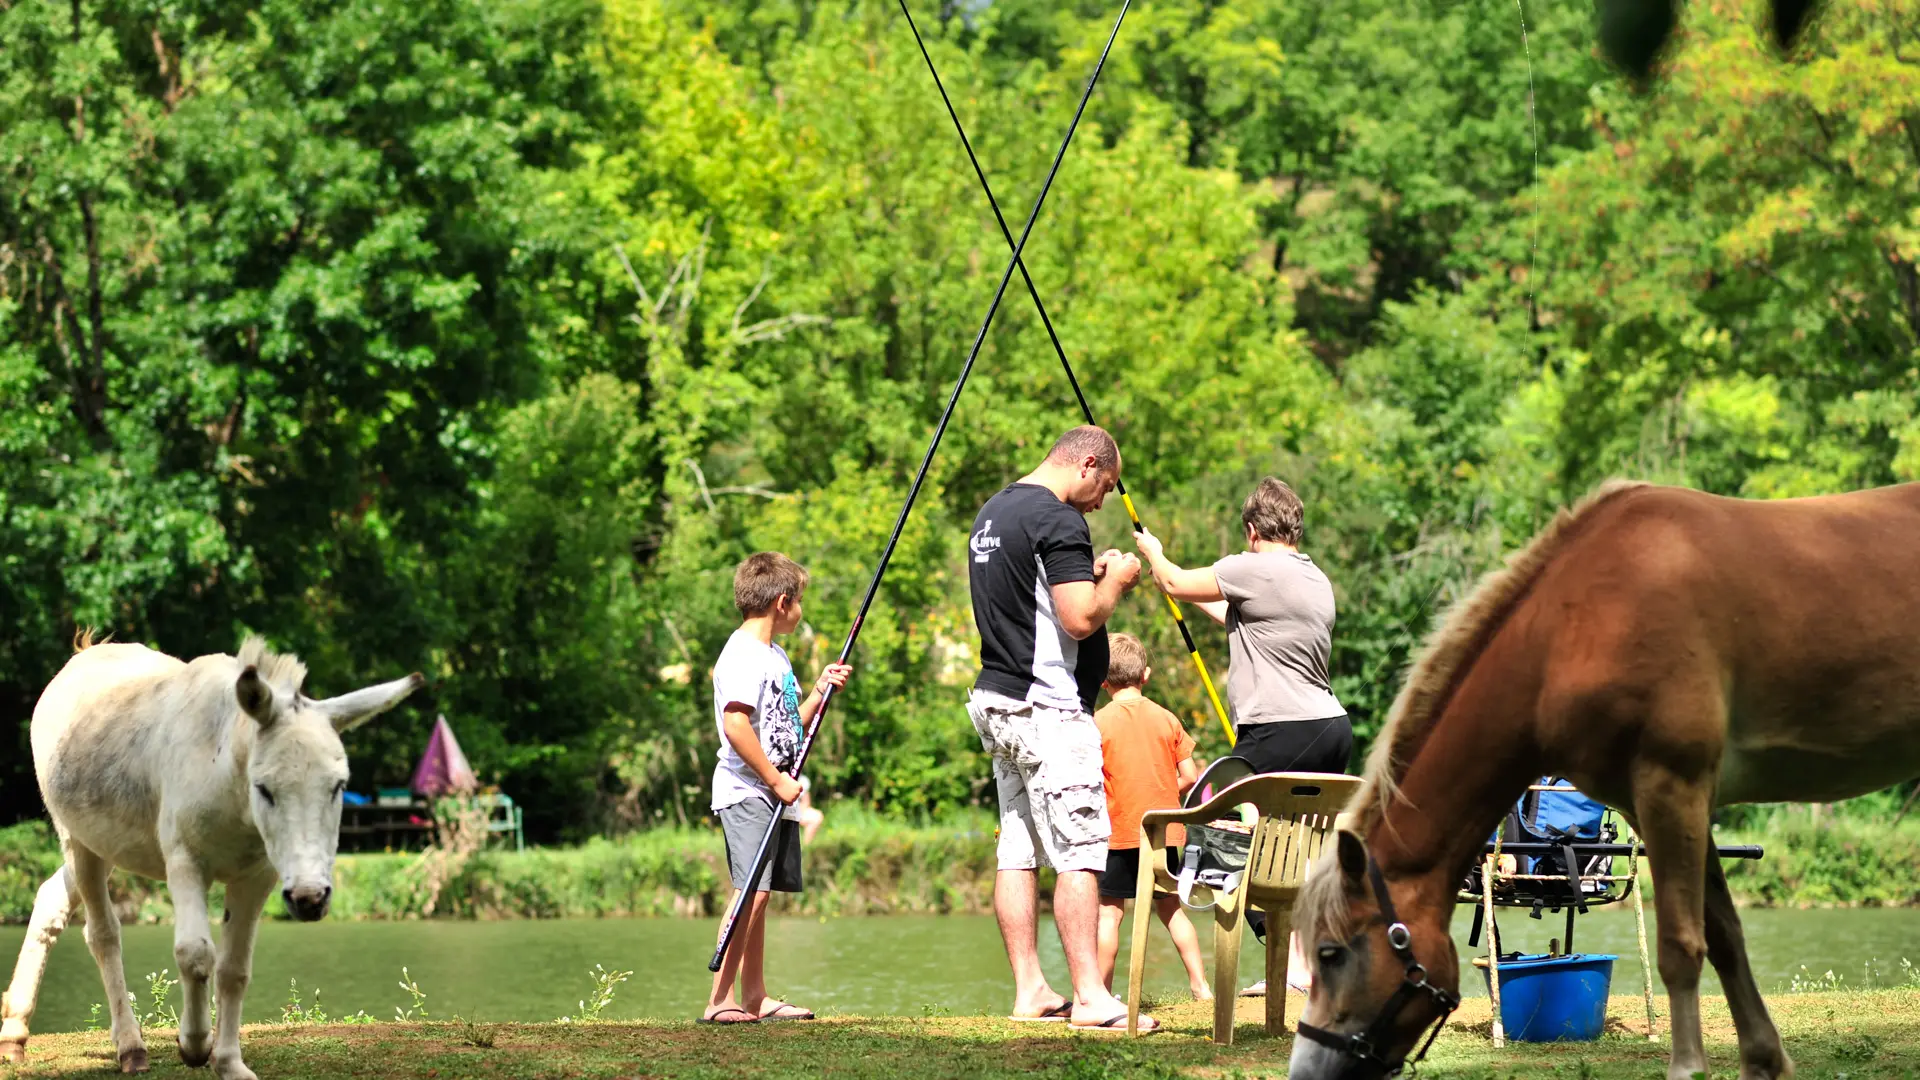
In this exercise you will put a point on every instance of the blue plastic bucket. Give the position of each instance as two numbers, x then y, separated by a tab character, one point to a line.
1554	998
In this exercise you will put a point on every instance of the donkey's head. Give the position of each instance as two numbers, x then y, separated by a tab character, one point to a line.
297	770
1385	971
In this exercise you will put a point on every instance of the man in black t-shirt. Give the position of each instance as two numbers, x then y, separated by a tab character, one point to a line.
1041	600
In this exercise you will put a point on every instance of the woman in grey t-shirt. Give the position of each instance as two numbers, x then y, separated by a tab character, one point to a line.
1278	610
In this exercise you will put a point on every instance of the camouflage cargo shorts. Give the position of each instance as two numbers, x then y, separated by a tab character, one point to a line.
1046	765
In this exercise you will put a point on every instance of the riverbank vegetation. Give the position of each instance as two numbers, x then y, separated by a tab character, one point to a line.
866	864
483	339
1844	863
860	865
1864	1036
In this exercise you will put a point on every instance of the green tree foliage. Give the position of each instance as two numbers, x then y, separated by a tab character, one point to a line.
487	339
266	279
1734	268
837	260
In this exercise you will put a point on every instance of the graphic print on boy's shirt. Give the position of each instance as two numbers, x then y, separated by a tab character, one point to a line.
781	732
758	675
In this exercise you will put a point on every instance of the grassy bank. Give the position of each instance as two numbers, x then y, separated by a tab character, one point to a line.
1862	1036
858	864
1836	862
864	864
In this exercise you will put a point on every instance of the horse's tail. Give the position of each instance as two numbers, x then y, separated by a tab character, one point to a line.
84	639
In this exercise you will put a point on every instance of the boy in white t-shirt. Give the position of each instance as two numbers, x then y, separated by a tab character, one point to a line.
762	721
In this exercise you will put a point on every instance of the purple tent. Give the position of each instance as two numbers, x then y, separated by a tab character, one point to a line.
443	768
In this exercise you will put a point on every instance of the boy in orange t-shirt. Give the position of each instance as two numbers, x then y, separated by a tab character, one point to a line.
1148	765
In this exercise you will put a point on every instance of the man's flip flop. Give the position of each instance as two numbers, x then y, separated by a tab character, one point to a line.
1117	1025
1056	1015
781	1013
746	1018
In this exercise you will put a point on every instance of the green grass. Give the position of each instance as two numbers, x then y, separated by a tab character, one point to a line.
1860	1036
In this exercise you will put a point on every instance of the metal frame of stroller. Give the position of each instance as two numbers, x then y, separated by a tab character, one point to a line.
1589	880
1593	885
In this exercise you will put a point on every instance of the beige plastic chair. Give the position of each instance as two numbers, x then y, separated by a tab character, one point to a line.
1296	814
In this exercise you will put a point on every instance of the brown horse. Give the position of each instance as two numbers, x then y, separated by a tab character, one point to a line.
1669	651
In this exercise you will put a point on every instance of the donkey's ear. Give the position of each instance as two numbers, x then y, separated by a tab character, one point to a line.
349	711
256	697
1353	855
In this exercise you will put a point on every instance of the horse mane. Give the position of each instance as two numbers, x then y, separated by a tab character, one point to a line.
276	669
84	639
1459	635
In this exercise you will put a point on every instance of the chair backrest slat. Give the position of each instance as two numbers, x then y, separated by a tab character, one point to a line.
1297	812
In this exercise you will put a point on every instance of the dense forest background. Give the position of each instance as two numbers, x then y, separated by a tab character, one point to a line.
484	339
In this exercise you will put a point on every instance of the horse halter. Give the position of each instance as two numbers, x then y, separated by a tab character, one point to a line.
1366	1045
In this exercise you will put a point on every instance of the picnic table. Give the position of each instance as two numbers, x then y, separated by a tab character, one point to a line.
398	820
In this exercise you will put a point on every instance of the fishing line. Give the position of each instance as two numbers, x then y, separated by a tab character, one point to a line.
765	852
1120	487
1533	129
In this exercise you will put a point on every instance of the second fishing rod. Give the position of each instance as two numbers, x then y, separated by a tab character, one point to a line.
764	854
1086	410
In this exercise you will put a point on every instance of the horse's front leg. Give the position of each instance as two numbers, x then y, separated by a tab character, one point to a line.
245	900
193	955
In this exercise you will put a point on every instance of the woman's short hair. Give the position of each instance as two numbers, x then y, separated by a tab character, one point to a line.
1274	512
1127	661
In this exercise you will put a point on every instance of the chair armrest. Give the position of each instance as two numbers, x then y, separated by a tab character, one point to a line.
1281	793
1199	815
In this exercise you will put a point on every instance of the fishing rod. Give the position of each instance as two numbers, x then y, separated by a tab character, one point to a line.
765	852
1186	635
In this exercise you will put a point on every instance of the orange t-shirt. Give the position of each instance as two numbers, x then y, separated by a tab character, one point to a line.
1141	747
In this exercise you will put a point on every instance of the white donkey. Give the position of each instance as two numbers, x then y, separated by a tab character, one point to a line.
215	770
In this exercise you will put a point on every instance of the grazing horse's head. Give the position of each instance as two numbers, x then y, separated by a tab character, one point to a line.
1385	971
297	769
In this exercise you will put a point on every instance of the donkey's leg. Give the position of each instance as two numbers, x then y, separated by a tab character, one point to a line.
1674	809
245	900
192	955
103	938
1761	1055
52	908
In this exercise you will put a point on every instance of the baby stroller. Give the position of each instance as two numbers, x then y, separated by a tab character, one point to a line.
1557	850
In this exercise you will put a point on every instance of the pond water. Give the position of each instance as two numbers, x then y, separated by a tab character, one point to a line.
898	965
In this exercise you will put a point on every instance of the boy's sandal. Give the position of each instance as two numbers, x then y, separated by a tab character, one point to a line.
725	1018
1056	1015
787	1011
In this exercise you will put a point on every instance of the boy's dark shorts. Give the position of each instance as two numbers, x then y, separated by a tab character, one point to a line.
744	824
1117	881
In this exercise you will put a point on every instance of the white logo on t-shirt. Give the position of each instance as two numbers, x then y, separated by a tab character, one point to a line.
983	545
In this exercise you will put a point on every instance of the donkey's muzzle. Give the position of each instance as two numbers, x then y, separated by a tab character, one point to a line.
308	903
